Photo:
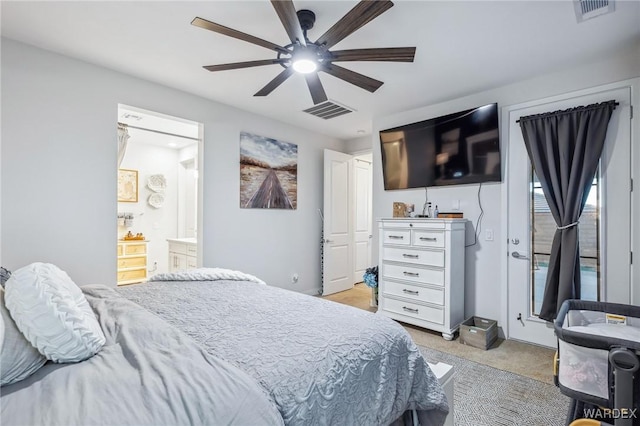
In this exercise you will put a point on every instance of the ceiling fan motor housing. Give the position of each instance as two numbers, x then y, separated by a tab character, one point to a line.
307	18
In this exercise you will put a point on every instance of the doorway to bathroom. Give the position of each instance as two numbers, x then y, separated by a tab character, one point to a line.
159	194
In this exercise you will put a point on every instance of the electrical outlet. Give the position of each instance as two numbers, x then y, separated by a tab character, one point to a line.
488	234
455	205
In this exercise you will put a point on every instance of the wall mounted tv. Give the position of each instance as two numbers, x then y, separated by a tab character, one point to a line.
458	148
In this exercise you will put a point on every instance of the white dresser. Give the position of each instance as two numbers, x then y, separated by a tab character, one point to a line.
421	272
132	261
183	254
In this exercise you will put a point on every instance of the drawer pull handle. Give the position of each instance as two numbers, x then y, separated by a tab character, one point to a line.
415	311
411	291
396	237
428	239
411	256
411	274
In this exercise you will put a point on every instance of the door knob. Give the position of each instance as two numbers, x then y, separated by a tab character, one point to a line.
517	255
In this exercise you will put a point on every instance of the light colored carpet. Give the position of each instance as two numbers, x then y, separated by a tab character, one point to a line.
527	360
511	384
485	395
516	357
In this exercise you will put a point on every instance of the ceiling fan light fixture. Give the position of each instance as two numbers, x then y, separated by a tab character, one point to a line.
304	65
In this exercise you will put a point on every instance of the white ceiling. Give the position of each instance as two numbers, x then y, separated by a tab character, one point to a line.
463	47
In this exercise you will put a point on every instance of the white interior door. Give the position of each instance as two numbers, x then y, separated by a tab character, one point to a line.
362	218
529	229
338	236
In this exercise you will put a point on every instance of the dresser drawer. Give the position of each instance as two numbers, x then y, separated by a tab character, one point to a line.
192	262
428	238
120	250
422	294
191	250
401	237
429	224
426	313
421	257
132	262
409	273
137	274
135	249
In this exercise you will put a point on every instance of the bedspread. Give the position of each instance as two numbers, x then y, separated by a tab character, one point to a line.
148	373
322	362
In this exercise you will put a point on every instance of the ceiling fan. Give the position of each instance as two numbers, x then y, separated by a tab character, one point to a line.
307	57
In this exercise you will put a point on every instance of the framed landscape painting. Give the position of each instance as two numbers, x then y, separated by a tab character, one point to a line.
268	173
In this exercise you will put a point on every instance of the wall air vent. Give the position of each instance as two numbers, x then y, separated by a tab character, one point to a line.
587	9
328	109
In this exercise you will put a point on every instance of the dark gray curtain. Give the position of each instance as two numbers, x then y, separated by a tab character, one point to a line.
565	148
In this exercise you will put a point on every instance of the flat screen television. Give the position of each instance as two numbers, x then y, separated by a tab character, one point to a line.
458	148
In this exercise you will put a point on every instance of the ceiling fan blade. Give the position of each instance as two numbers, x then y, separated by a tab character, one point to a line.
391	54
280	78
237	65
221	29
315	87
361	14
360	80
287	13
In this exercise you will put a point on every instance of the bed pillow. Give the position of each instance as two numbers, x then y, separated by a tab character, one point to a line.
52	313
19	358
4	275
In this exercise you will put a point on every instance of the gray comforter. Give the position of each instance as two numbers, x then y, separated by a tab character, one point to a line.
322	362
148	373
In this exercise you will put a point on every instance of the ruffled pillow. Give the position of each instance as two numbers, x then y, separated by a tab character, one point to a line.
52	313
4	275
19	358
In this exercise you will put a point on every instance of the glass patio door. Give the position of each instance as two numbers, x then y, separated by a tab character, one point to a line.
605	237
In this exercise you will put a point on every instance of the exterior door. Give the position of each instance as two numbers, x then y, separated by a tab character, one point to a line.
605	239
337	267
362	218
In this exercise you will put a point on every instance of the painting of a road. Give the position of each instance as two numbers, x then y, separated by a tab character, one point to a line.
268	173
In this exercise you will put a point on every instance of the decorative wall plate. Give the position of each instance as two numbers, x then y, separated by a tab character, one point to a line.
156	200
157	183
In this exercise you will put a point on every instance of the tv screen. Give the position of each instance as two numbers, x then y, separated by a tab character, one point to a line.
458	148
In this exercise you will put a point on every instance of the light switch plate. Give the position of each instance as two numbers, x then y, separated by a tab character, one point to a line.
488	234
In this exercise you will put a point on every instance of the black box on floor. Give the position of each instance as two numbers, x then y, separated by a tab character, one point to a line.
479	332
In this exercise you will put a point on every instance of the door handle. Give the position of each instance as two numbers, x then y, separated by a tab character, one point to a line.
517	255
328	241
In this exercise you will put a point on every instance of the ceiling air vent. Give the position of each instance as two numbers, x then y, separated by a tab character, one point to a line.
328	109
587	9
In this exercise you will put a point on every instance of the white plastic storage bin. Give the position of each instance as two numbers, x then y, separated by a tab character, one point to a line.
588	335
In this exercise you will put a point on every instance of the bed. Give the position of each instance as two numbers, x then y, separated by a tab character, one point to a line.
234	351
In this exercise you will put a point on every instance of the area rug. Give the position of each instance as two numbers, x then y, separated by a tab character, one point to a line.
484	395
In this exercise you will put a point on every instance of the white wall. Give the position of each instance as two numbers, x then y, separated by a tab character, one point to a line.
358	145
156	224
484	261
187	192
59	173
